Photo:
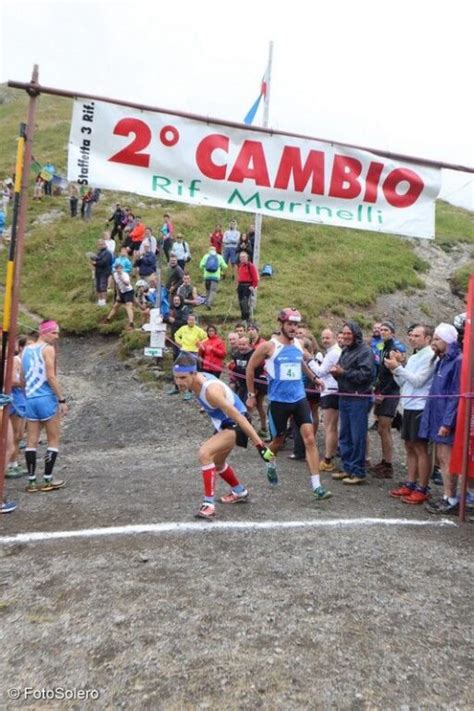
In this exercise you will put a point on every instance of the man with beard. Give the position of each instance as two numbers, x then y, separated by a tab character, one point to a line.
283	358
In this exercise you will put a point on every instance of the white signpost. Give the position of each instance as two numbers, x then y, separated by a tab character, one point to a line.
157	330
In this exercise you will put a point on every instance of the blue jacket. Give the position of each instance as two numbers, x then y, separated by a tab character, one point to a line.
442	411
146	264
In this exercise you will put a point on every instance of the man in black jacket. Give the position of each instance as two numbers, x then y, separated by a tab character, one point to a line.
117	218
354	373
102	263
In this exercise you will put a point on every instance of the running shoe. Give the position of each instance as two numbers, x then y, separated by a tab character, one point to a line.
326	466
7	507
403	490
416	497
52	485
22	444
272	475
264	434
172	391
235	498
320	493
354	480
442	507
32	487
15	472
206	511
187	396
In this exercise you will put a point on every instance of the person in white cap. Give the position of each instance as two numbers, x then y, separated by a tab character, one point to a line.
439	417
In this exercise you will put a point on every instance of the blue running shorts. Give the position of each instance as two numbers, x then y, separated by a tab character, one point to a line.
42	408
18	406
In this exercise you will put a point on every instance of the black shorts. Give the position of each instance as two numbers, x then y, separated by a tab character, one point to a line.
134	246
125	298
280	412
101	281
410	426
330	402
241	439
386	408
313	397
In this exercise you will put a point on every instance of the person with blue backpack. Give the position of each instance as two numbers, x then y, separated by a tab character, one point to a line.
213	266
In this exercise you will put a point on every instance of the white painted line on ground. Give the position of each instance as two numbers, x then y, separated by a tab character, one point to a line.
214	526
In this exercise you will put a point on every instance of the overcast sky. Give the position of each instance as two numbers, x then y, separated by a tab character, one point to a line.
395	78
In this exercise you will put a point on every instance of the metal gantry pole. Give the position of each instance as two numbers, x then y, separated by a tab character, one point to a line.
11	252
16	269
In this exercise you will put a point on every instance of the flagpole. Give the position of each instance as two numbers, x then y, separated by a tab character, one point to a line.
266	108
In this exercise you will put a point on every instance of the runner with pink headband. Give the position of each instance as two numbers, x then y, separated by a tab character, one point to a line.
47	327
45	404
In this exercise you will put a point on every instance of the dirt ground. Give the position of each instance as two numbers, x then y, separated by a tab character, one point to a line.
351	616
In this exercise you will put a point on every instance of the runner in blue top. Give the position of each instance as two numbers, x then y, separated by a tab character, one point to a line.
44	404
231	427
284	364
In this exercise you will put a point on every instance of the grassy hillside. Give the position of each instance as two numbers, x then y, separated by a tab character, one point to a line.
320	270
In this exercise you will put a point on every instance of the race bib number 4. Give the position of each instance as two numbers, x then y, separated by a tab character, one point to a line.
290	371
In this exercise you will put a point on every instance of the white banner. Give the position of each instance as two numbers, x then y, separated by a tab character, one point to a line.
198	162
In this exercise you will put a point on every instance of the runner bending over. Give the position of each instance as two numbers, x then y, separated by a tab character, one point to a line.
232	427
283	358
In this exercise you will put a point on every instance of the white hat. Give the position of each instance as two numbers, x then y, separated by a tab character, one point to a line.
446	332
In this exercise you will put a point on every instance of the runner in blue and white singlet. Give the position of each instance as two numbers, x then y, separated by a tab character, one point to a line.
219	418
284	369
284	363
232	427
34	369
44	405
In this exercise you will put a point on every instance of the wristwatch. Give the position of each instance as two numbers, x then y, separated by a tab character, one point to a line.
250	394
62	401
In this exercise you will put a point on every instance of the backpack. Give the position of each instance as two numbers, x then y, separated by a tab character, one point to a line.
212	263
267	270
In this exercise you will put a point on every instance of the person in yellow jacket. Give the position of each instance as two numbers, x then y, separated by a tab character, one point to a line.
189	338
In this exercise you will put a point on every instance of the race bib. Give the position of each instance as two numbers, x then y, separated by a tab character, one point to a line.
290	371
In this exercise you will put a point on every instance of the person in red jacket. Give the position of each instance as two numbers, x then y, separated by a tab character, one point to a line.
247	282
216	238
136	236
213	352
